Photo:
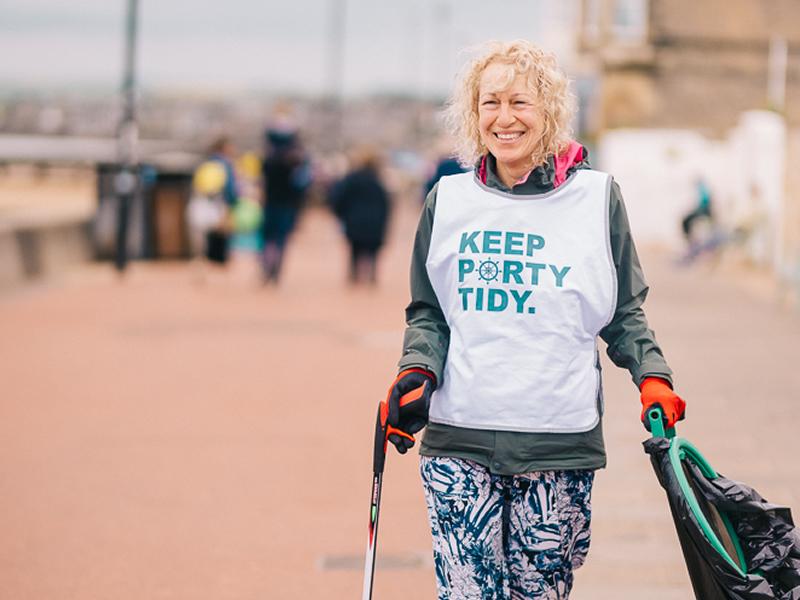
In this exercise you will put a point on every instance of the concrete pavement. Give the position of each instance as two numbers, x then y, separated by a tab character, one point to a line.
164	438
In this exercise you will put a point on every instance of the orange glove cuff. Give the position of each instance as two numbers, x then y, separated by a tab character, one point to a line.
653	383
405	372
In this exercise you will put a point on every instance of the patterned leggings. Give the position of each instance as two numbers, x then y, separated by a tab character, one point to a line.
501	537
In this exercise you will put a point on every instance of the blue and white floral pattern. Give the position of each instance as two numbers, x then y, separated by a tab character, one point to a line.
498	537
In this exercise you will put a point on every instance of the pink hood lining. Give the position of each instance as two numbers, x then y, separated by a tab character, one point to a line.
572	156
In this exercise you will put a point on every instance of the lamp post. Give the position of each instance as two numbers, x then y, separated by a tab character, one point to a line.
336	33
126	181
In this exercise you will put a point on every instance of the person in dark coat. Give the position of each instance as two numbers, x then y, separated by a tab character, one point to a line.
286	172
446	165
362	204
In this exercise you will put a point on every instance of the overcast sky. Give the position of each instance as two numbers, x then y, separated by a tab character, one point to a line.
222	46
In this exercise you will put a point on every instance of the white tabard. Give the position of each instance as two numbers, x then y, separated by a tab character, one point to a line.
525	283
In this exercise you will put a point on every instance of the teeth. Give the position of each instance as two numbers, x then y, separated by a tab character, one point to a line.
508	136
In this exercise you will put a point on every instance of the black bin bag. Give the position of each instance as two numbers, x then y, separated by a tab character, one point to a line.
737	546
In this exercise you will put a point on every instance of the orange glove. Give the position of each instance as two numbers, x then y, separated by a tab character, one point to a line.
657	392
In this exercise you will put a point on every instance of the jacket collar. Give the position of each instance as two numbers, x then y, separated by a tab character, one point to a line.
542	179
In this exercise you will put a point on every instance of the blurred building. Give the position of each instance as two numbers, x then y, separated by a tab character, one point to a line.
682	89
681	63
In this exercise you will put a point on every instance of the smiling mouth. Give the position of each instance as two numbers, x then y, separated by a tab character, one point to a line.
509	137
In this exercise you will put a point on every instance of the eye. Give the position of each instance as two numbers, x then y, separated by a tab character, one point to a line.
489	103
520	102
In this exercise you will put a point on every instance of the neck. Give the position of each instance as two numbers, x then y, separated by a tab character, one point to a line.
511	174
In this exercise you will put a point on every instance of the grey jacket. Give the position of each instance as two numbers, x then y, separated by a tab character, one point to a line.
631	344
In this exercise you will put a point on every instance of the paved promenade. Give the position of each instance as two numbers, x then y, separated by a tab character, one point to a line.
168	439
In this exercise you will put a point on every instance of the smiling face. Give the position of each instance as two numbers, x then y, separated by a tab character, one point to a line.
509	121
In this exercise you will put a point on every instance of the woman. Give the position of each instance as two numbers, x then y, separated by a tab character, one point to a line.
516	269
362	204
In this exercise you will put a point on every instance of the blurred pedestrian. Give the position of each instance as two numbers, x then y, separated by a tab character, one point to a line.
247	215
223	151
713	237
516	269
748	228
701	210
286	174
214	193
361	202
446	164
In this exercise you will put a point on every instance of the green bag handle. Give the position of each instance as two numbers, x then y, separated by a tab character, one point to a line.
655	417
680	450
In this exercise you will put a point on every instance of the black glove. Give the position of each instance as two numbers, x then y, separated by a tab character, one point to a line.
409	399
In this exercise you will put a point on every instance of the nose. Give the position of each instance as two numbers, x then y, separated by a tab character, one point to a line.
505	118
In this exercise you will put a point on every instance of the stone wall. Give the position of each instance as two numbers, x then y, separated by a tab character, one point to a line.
700	66
711	60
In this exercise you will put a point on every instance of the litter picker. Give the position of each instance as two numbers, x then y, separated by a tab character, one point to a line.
382	432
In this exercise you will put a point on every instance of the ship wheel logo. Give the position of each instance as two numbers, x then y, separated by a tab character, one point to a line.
488	270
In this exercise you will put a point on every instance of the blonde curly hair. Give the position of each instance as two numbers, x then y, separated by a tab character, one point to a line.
546	81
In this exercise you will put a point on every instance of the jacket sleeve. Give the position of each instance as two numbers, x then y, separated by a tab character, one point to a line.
631	343
427	335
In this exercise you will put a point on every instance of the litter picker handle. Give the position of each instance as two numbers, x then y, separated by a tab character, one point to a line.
383	430
655	416
379	456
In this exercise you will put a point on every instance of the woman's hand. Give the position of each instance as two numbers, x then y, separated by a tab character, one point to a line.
408	400
657	392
